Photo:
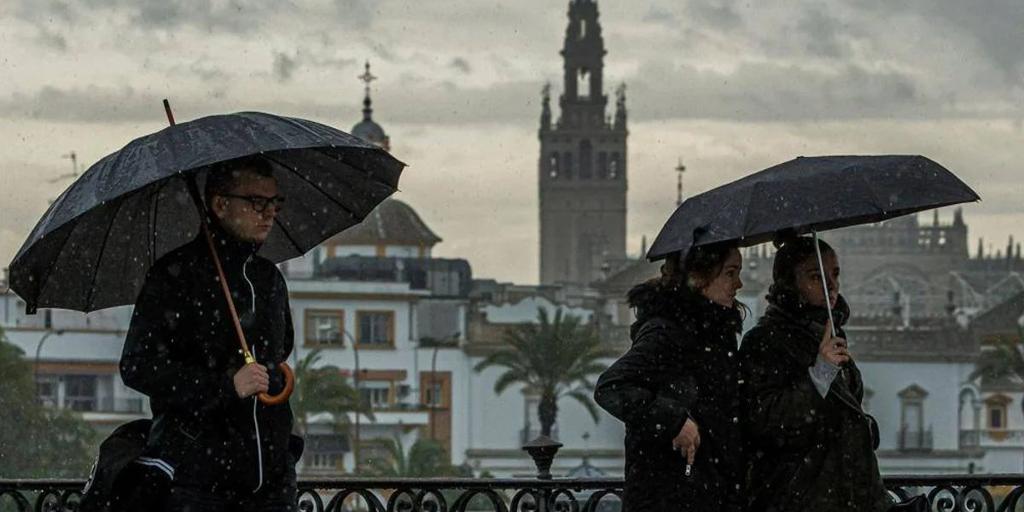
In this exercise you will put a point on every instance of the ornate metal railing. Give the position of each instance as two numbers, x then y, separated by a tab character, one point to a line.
946	493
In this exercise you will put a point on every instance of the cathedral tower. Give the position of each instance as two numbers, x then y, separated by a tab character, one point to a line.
582	166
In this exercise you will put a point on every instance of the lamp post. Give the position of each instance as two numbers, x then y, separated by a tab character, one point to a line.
433	378
359	397
39	348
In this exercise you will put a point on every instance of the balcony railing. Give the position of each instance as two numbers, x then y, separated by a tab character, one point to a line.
975	493
915	440
990	437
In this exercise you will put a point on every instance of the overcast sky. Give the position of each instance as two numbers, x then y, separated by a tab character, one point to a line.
729	87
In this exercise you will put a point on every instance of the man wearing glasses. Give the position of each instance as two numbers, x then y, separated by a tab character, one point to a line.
211	439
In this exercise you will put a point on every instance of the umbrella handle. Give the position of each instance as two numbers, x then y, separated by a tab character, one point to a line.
289	386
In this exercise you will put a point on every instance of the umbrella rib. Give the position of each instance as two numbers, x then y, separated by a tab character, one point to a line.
317	187
49	270
99	259
156	211
288	235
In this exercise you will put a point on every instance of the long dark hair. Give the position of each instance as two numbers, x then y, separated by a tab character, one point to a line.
704	262
791	253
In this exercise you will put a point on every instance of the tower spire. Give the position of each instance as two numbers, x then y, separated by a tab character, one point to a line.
679	184
366	78
545	111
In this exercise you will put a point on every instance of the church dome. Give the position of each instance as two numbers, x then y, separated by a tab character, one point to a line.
392	223
370	131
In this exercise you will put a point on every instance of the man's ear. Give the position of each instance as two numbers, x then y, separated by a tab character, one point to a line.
218	206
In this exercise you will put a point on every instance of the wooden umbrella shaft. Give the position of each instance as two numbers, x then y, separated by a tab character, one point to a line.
246	353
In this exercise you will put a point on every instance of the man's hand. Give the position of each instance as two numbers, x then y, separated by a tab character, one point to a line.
833	349
688	440
251	379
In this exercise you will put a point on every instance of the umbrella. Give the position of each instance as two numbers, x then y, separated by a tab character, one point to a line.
807	195
93	246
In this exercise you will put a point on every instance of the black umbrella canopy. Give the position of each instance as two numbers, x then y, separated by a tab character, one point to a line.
93	246
810	194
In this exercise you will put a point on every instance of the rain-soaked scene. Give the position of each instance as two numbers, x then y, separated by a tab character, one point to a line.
543	255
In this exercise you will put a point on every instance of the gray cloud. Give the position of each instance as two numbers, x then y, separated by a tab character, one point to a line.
822	33
775	92
719	14
994	25
661	15
283	66
462	65
51	39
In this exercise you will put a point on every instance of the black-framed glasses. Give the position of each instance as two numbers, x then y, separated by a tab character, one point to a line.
260	203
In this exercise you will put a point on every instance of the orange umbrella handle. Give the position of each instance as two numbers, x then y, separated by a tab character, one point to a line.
289	386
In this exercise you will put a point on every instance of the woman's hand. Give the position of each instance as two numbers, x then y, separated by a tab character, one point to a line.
688	440
833	348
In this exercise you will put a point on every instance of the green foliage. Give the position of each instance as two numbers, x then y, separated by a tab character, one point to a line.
324	389
554	358
426	458
1005	359
36	441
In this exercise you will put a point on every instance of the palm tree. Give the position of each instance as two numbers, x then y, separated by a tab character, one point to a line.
324	389
554	358
1005	359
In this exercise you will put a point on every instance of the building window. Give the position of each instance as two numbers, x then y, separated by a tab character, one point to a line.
913	435
613	167
80	392
997	406
434	395
325	452
996	418
376	328
46	390
325	327
586	160
553	166
376	394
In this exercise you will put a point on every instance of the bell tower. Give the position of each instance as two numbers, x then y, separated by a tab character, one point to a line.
582	165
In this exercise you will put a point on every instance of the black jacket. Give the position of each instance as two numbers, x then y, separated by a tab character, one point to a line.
807	452
181	351
682	364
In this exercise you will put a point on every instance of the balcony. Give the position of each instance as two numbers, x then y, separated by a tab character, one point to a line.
991	438
915	440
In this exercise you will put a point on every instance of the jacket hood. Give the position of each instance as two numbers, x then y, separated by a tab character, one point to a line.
653	299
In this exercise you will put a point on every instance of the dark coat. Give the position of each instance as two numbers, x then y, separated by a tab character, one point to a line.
181	351
807	452
682	364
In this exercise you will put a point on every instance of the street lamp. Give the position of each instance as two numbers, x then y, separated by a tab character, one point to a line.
359	397
433	377
39	348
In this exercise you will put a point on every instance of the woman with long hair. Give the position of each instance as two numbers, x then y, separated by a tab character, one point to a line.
677	388
811	444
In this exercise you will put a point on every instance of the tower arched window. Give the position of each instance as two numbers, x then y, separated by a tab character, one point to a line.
553	166
583	83
613	167
586	160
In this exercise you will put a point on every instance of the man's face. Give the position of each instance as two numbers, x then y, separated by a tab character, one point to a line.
239	215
